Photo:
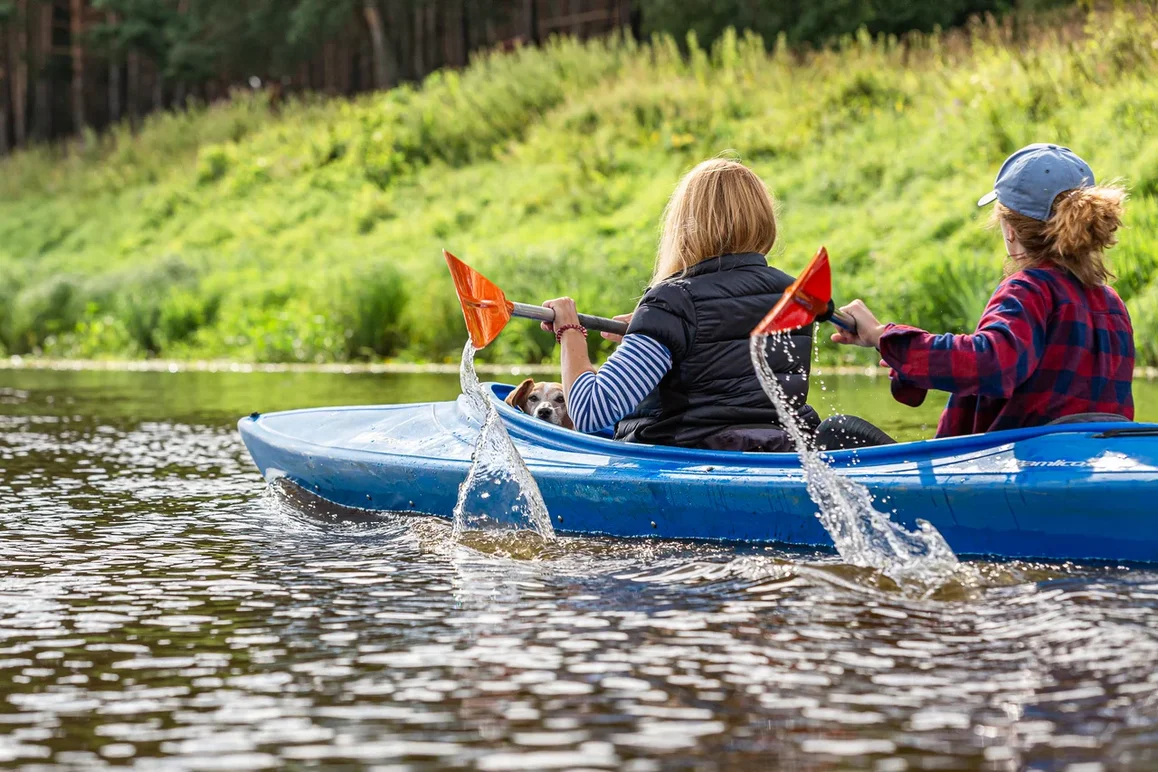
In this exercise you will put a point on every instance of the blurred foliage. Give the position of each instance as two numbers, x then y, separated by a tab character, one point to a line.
312	232
811	21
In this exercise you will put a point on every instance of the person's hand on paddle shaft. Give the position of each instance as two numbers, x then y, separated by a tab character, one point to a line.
615	337
565	314
868	328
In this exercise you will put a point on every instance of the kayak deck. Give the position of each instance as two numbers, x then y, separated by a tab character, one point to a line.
1081	491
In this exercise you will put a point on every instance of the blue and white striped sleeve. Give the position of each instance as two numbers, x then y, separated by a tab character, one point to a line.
598	400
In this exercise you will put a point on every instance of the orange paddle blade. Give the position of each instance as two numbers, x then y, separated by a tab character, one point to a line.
802	302
484	306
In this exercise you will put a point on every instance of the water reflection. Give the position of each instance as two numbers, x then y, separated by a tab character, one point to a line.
158	609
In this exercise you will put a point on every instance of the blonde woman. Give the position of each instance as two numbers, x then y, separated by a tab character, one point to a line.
1055	339
682	374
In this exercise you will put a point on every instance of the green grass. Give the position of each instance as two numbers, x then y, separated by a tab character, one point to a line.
312	232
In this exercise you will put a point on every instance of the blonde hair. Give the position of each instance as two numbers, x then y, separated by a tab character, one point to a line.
1082	225
720	207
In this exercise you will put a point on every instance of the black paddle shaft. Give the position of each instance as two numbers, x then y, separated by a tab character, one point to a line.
541	314
839	318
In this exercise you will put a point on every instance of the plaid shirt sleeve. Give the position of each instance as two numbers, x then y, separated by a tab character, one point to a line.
992	362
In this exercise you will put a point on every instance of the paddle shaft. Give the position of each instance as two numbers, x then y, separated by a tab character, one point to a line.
541	314
843	321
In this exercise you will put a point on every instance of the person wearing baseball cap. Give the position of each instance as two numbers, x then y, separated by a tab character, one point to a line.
1055	339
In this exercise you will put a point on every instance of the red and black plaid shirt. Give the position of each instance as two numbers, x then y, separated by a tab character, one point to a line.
1046	347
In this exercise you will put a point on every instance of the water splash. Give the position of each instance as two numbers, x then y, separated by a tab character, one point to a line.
472	391
499	493
863	535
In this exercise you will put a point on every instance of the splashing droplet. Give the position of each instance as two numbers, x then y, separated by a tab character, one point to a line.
499	492
863	535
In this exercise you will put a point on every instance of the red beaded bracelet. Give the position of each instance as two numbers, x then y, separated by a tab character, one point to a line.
560	330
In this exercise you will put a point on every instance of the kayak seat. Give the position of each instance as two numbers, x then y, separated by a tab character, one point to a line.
750	438
842	432
1089	418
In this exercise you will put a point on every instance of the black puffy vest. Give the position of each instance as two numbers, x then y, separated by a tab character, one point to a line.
705	318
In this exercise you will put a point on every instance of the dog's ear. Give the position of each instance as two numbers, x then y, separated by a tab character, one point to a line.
518	396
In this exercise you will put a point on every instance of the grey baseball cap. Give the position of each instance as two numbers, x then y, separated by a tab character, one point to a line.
1031	178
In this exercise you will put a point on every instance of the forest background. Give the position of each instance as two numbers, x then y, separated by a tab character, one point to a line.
272	180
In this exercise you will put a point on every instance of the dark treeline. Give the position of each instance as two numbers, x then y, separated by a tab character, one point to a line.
818	21
68	66
71	65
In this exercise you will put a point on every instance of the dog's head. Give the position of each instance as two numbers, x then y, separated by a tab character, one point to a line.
544	401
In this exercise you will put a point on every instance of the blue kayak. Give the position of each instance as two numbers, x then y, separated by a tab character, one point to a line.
1078	491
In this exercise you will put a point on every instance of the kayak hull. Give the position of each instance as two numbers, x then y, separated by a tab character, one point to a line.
1082	491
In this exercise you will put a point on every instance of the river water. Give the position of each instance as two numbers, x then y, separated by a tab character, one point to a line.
159	609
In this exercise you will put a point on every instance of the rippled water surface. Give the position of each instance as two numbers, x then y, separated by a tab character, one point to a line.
159	608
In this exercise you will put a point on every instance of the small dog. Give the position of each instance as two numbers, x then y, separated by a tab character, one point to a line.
544	401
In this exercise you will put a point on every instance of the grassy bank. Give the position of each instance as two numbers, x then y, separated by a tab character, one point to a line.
311	232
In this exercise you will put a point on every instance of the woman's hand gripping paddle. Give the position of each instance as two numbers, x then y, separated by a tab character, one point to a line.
487	310
808	300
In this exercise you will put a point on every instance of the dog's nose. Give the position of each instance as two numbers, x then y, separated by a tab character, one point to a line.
543	412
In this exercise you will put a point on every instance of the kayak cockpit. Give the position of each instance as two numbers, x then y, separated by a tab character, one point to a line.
1071	443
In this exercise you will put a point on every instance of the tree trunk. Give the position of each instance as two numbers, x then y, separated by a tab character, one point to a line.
365	70
432	62
114	79
76	36
181	91
114	91
532	15
448	30
43	27
158	87
133	87
574	8
344	50
418	40
5	144
18	59
378	43
492	35
465	18
329	68
635	13
399	39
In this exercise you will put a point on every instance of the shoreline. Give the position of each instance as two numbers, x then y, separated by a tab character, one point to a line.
352	368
